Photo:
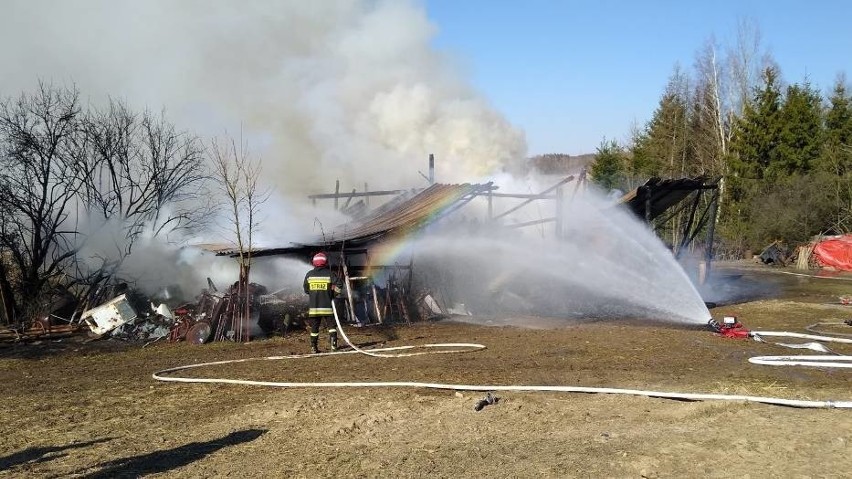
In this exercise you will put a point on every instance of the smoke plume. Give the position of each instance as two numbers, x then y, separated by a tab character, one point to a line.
336	89
348	90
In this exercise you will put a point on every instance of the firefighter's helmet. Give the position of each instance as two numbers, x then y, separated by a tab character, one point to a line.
319	260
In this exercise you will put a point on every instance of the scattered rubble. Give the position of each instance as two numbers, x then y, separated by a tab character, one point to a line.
120	312
213	317
42	328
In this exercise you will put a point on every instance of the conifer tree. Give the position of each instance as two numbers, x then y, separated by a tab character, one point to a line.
753	148
835	161
757	133
608	169
838	123
801	132
661	149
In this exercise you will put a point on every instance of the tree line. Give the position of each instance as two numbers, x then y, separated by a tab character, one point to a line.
782	152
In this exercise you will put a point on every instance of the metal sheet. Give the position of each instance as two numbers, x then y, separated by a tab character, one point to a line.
110	315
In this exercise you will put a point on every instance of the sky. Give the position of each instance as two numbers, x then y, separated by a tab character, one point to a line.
569	73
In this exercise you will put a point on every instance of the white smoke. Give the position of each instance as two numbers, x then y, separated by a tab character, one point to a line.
166	270
348	89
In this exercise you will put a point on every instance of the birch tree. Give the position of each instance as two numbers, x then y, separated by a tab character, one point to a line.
238	175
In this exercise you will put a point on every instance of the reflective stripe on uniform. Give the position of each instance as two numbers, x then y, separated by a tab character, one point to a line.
314	335
320	312
332	330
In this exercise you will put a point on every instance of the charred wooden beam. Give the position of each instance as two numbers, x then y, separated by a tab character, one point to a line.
532	223
530	200
533	196
325	196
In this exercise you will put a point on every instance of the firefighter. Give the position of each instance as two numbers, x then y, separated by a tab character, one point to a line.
321	286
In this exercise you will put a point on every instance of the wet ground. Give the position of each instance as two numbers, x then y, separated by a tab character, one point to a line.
75	409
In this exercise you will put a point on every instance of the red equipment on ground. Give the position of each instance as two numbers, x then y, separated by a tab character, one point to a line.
730	328
835	251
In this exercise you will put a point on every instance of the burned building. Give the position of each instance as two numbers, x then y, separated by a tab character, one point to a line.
380	287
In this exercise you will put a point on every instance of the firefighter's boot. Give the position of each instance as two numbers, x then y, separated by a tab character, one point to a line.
332	338
314	344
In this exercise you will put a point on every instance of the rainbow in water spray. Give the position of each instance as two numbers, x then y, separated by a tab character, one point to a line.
425	208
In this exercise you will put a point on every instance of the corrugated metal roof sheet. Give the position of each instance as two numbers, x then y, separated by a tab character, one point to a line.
411	214
220	249
404	214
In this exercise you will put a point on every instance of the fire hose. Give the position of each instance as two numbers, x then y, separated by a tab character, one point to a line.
165	375
825	361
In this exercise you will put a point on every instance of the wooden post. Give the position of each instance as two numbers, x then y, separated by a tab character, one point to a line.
431	169
376	303
490	206
373	285
336	192
366	198
687	228
647	195
559	211
349	200
532	198
404	309
708	250
388	303
348	283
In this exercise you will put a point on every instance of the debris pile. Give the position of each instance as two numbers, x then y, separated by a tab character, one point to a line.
214	316
118	311
44	327
282	311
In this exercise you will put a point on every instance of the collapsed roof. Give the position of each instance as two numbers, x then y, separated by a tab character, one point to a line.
658	195
408	212
414	210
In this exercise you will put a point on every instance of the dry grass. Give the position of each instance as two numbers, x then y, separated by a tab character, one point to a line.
92	410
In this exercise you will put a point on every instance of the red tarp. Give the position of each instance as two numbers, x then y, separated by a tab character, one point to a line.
835	252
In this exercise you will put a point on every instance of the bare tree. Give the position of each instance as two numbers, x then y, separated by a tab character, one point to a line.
746	60
143	175
238	174
144	171
59	165
40	175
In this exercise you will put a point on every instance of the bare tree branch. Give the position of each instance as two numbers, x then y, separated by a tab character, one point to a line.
39	179
59	164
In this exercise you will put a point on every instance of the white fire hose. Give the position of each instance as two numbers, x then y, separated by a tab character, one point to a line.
823	361
164	375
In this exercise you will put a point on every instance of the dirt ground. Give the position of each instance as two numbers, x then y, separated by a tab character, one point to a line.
75	409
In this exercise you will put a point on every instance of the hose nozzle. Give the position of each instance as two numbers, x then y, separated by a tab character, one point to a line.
488	399
714	325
